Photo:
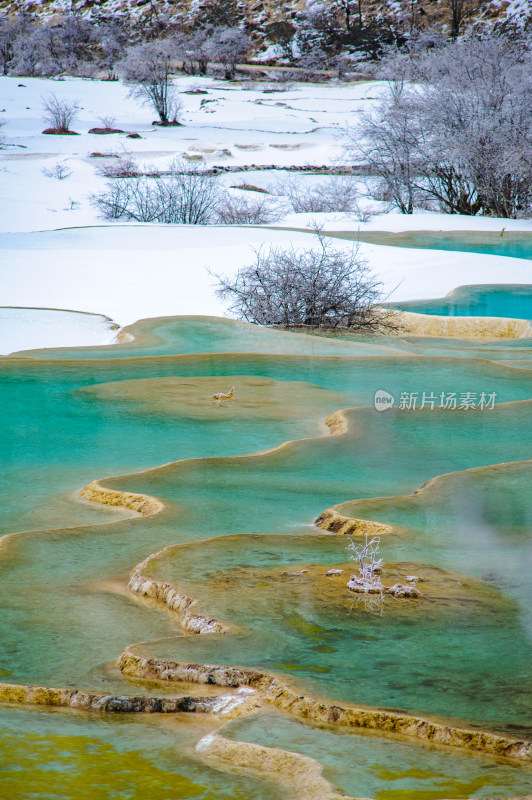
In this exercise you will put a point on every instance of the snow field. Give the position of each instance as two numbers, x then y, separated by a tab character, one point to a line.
55	251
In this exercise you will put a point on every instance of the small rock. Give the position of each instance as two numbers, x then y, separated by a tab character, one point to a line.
399	590
290	574
334	572
413	579
359	586
133	136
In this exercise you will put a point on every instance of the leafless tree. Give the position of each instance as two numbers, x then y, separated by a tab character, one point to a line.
8	35
282	33
111	36
52	48
147	68
388	142
457	8
192	49
59	113
461	138
71	44
32	52
228	46
320	287
347	7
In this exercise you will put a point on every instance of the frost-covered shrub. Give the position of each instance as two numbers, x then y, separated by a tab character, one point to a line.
235	210
338	194
322	287
368	579
185	196
117	165
60	171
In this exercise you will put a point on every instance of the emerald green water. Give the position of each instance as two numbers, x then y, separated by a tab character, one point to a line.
182	335
60	438
195	335
478	301
65	616
384	768
516	244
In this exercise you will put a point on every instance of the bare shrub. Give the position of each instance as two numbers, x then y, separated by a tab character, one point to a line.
321	287
114	202
188	197
107	121
59	113
247	211
120	165
60	171
338	194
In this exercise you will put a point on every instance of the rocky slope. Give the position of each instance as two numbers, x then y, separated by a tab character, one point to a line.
401	15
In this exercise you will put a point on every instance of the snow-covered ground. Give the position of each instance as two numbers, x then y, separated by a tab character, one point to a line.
239	127
56	253
132	271
33	328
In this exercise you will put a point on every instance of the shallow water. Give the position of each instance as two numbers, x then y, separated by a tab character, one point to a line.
516	244
386	769
242	514
478	301
51	754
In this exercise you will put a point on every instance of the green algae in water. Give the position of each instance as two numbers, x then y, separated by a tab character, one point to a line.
285	489
61	436
413	656
50	754
77	631
277	492
385	769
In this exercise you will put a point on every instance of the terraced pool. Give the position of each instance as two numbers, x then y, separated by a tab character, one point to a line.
241	485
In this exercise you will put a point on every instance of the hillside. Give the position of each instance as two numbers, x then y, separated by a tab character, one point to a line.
256	16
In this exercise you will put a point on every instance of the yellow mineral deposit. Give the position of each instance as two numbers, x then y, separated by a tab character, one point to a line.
482	328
